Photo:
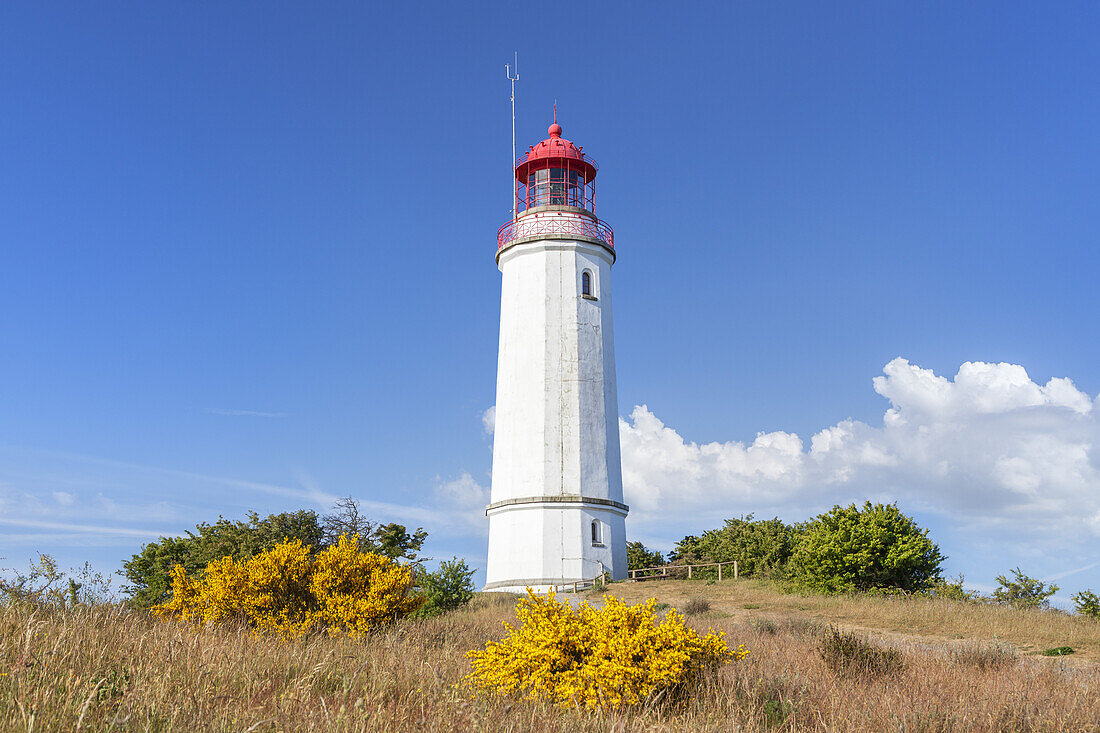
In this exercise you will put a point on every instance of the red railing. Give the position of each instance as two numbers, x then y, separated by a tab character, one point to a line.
554	223
586	158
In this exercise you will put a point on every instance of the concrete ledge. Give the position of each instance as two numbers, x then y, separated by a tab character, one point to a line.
558	207
560	238
534	583
561	499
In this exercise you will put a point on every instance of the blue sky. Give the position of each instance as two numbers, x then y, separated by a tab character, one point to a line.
246	262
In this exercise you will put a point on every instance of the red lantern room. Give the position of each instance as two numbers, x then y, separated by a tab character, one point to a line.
556	173
555	190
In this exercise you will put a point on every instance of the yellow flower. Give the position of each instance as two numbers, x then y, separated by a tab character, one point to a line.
287	591
611	657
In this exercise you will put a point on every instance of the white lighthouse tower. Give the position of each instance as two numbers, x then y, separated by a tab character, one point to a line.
556	513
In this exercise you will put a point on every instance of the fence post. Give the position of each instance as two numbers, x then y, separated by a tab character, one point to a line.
719	572
689	572
735	570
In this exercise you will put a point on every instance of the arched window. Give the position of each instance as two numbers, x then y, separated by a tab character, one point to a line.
596	536
586	283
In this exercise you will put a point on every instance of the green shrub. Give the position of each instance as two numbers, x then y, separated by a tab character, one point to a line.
446	589
851	549
1058	651
852	654
149	572
758	546
639	556
1087	604
1023	592
776	711
949	589
45	584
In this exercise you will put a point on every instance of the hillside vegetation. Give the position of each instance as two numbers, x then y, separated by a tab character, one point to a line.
912	665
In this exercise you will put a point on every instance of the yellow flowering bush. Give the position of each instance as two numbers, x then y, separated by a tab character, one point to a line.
609	657
288	591
357	590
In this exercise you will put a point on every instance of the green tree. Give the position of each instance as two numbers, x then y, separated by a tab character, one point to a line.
639	556
853	549
395	542
149	571
758	545
1023	591
445	589
1087	603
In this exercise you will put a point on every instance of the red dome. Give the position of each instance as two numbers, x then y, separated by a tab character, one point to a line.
555	148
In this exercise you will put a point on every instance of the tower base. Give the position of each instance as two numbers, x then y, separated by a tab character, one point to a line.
544	542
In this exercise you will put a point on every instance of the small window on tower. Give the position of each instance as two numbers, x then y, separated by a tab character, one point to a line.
597	538
586	286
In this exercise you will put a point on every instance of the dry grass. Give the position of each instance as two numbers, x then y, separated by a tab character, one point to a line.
1028	631
107	669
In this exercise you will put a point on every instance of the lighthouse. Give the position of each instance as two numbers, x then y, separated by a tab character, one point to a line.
556	512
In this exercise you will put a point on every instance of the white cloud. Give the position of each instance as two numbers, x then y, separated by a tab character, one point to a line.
464	500
64	498
463	491
489	420
81	528
989	448
1094	523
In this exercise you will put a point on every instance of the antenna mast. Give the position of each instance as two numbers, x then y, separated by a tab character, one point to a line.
509	69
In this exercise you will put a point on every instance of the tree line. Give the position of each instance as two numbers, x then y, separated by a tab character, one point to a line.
873	548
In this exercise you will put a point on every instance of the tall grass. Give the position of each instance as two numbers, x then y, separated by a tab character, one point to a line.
106	668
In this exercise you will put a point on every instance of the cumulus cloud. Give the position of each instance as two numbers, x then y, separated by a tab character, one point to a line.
464	499
489	420
989	448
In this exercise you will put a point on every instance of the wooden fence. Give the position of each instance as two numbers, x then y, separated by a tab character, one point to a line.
659	571
663	571
579	585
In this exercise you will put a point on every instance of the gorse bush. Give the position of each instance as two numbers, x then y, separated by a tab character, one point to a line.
150	572
612	657
288	592
357	591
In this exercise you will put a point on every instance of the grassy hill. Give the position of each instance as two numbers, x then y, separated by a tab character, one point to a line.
957	668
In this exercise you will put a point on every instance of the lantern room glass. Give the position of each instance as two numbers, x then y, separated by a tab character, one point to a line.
556	185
